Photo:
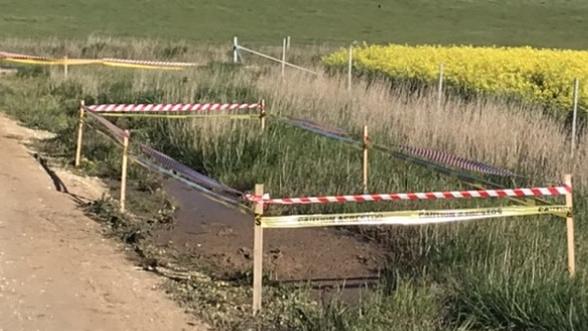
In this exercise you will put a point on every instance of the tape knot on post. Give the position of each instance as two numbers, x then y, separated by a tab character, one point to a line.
256	198
261	106
367	142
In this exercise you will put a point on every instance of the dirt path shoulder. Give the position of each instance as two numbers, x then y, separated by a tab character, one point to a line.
57	272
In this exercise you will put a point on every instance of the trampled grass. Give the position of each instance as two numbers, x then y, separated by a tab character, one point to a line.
486	275
555	23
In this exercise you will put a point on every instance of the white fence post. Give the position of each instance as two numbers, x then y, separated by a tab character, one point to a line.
288	42
349	68
440	85
235	50
283	57
575	115
275	59
365	159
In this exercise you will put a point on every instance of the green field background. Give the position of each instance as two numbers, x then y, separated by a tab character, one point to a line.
541	23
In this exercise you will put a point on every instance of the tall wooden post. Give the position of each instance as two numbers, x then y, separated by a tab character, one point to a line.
80	135
262	114
349	67
440	85
257	251
570	229
123	175
365	158
575	116
283	57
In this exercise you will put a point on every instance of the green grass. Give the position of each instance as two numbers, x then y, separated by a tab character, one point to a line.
553	23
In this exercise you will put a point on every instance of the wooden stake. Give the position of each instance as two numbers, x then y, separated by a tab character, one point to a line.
123	175
262	114
283	57
349	67
440	85
80	135
570	230
365	159
65	71
575	116
288	42
257	252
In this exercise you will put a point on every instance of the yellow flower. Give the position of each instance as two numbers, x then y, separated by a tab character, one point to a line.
537	75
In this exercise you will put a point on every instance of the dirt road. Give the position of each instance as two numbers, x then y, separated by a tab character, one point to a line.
57	272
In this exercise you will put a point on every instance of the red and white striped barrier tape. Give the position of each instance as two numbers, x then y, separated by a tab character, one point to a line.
22	56
151	63
187	172
456	161
117	132
472	194
435	157
180	107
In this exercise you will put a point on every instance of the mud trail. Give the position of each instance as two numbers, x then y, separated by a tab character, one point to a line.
223	238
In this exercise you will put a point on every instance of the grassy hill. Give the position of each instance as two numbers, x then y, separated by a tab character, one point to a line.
553	23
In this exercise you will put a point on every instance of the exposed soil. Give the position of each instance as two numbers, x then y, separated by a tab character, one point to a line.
57	272
223	237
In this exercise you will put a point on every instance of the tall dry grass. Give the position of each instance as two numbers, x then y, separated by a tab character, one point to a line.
512	136
505	134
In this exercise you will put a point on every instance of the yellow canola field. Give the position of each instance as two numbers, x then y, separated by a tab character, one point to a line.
539	75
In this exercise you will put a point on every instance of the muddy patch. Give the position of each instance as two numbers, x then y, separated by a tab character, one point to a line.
223	238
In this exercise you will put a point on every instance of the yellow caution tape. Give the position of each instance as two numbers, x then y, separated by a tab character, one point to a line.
71	62
408	217
160	115
138	66
78	61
